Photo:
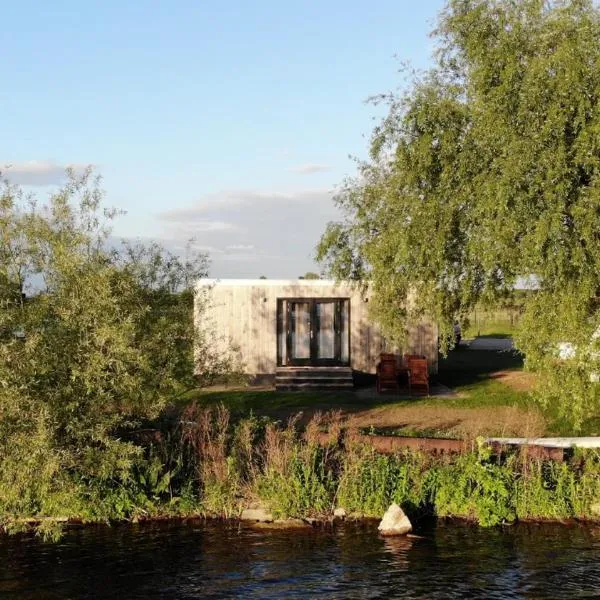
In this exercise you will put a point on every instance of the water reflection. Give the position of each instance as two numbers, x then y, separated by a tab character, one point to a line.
197	560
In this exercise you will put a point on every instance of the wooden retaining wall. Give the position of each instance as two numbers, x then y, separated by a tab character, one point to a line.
390	444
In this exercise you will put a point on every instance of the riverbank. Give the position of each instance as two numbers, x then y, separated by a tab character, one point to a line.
205	464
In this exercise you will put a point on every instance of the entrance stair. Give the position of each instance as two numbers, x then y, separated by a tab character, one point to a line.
313	378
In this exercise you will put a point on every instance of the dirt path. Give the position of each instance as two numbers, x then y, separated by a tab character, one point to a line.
521	381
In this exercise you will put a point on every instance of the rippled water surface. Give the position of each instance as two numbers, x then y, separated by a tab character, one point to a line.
197	560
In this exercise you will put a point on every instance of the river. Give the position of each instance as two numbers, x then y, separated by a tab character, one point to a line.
214	560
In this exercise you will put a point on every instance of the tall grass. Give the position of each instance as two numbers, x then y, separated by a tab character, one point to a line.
307	472
209	465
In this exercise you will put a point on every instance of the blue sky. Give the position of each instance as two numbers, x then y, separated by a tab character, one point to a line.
228	121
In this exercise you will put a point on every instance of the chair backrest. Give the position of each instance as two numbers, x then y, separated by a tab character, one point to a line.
408	357
388	365
418	369
387	369
388	357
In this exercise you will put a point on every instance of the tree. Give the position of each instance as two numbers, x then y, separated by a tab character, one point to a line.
310	275
108	342
485	170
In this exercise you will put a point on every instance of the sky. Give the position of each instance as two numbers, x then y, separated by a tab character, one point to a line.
228	122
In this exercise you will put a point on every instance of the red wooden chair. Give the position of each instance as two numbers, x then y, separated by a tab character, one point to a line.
418	374
407	357
387	372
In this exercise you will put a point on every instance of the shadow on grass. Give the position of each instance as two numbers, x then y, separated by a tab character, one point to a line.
282	405
497	336
467	370
464	366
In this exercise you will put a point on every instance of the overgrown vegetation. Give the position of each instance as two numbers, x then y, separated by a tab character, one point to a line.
486	170
96	337
203	464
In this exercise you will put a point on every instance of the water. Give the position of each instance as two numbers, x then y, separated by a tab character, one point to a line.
197	560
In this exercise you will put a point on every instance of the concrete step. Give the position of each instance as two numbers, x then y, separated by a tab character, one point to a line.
314	378
313	372
309	377
314	386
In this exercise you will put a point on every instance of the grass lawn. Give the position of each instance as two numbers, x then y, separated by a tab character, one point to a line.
499	322
491	397
501	329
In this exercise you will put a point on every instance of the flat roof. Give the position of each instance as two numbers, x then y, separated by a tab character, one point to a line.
269	282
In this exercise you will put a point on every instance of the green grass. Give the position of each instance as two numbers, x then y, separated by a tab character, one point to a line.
493	322
474	394
497	329
265	401
559	426
463	367
466	371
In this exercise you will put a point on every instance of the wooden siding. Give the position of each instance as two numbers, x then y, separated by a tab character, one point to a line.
243	315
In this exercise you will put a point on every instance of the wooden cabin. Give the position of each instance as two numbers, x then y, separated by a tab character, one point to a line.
301	333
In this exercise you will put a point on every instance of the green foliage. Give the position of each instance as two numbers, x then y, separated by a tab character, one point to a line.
298	475
548	490
103	341
485	170
477	488
204	464
217	457
304	489
370	482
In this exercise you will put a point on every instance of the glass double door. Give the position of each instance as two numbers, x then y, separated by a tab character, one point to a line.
316	332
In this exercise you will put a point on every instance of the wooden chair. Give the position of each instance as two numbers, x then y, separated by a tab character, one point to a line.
418	374
408	357
387	372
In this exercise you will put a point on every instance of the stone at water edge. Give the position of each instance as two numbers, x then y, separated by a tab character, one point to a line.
394	522
285	524
258	513
339	513
595	509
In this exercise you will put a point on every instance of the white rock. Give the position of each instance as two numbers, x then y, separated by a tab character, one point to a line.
394	522
595	509
340	513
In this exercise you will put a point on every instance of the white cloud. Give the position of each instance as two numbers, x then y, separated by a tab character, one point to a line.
309	168
198	247
36	172
208	225
240	247
260	232
230	199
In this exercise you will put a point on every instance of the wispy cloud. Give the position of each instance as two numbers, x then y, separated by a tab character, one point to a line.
203	225
238	247
36	172
309	169
255	232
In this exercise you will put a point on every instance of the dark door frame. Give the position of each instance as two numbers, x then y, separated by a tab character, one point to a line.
285	321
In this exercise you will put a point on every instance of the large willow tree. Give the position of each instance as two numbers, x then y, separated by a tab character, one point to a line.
486	170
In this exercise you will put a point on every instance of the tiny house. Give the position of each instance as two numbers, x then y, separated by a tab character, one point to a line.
301	333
